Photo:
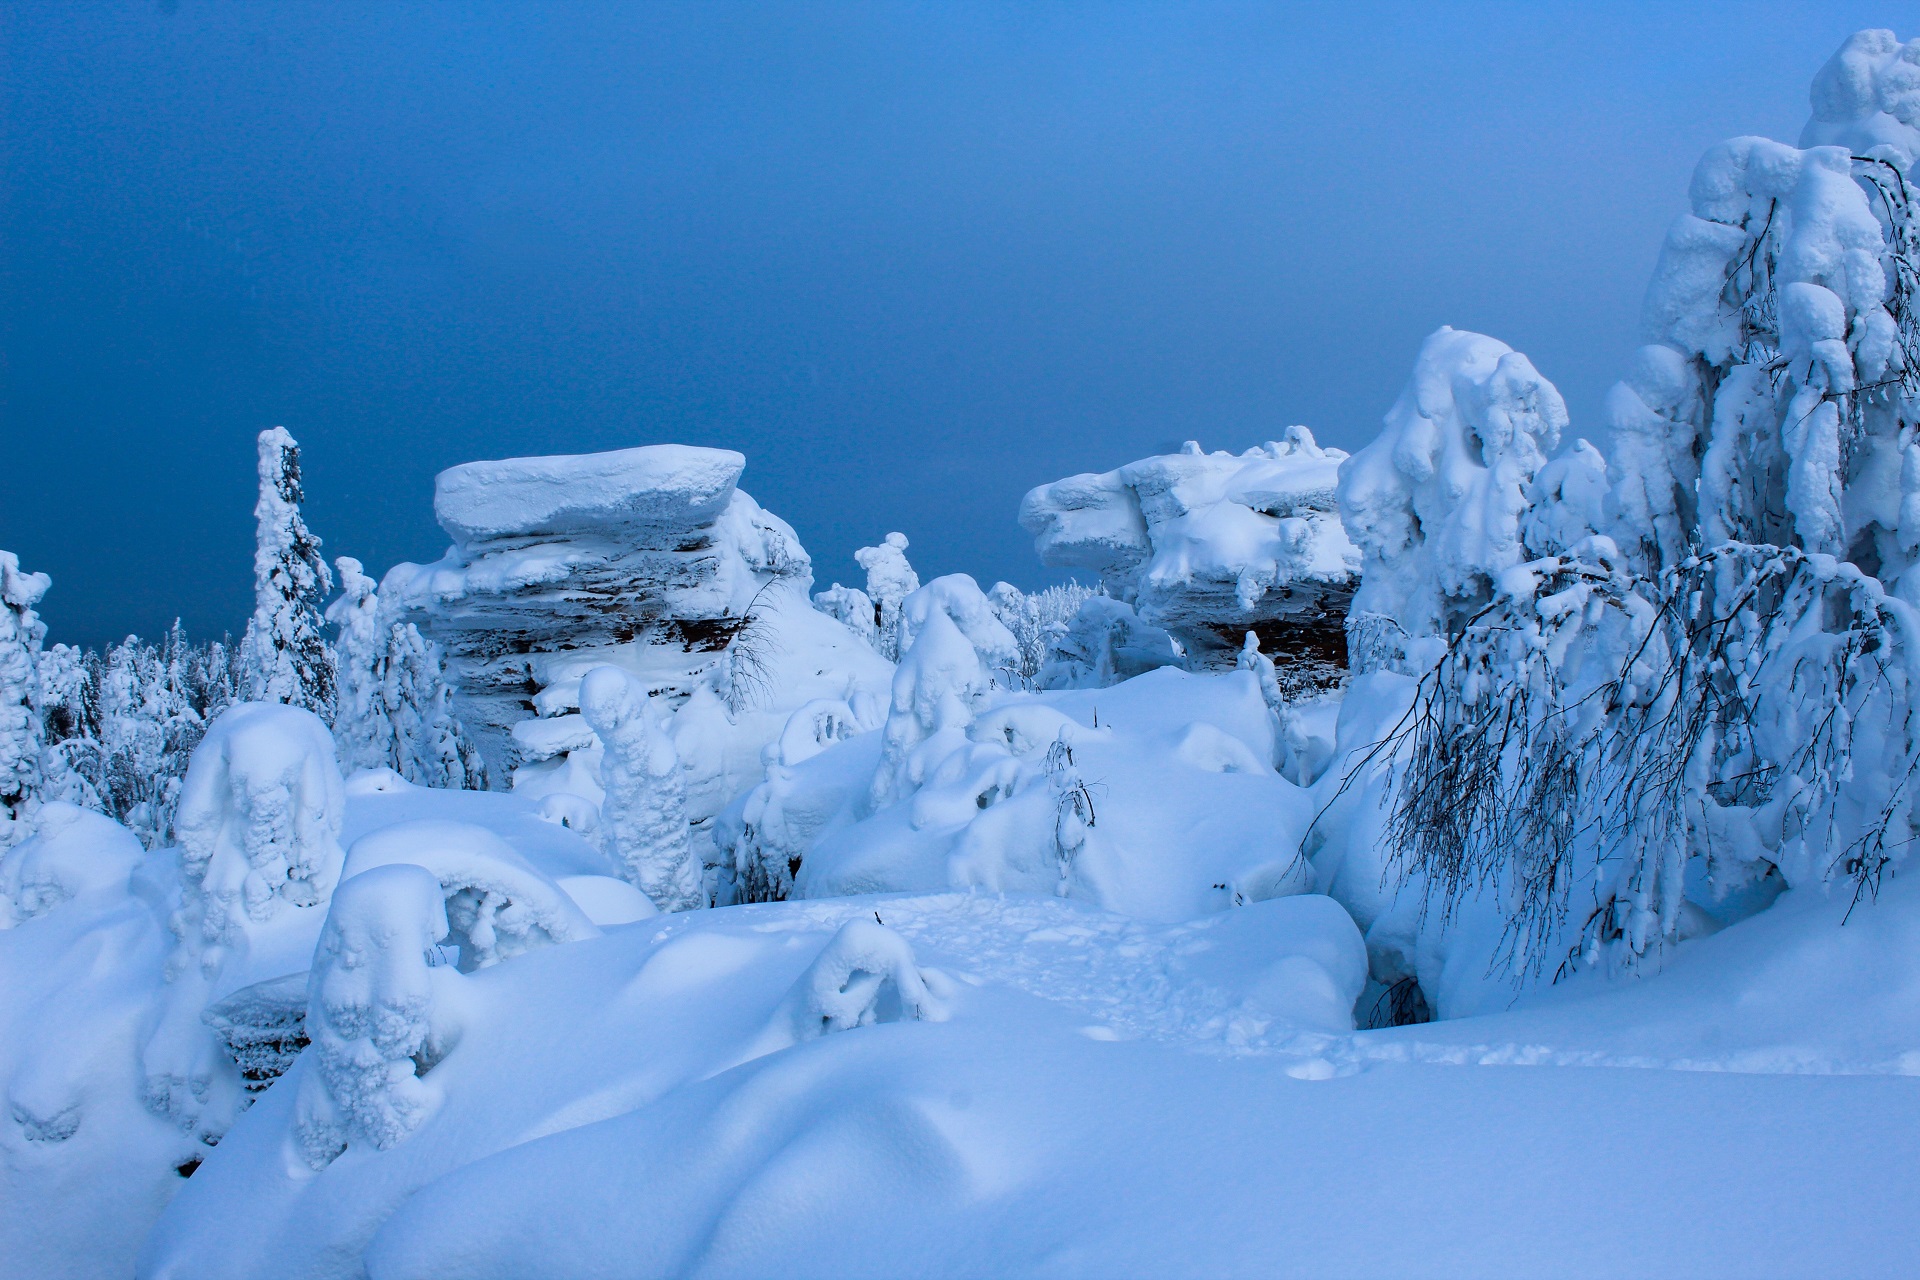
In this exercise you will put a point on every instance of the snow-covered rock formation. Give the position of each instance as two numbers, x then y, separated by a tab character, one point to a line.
556	562
1213	545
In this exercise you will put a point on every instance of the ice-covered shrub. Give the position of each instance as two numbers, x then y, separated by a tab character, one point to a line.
1103	643
890	580
643	821
377	1014
1036	620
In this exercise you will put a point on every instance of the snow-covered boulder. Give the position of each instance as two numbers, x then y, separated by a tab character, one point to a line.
1213	545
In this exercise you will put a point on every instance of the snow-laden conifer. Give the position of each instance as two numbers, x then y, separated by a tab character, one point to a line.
284	652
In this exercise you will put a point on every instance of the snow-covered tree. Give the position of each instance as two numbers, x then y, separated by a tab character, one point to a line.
284	652
1036	620
1717	686
391	703
361	727
643	820
376	1013
430	746
852	608
21	734
951	648
890	580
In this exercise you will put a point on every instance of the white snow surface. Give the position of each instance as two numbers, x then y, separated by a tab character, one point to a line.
1108	1097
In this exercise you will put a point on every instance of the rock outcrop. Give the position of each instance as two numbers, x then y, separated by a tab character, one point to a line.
1211	546
648	558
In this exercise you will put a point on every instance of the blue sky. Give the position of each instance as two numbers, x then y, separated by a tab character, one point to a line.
910	259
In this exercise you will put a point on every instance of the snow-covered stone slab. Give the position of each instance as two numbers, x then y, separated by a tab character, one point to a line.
646	489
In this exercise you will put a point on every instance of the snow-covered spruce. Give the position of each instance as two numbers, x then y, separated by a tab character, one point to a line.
284	653
392	709
378	1014
643	821
21	735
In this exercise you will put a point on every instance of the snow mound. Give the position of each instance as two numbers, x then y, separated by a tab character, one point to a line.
73	852
497	904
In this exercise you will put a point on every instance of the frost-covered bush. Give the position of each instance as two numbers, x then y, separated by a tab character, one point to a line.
21	634
1036	620
378	1014
780	817
498	904
1101	644
284	653
643	820
890	580
854	609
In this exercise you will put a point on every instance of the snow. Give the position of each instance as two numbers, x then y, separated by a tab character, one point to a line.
598	1077
1130	930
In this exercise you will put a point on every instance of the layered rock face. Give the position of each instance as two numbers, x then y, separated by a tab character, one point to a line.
1211	546
557	561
